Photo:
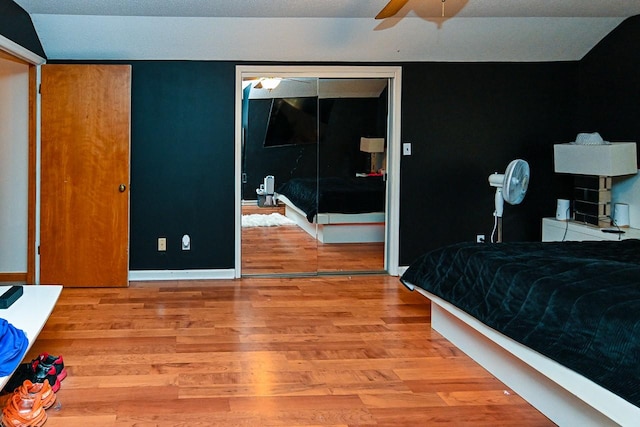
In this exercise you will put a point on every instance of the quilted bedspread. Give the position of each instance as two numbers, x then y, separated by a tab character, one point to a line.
575	302
335	195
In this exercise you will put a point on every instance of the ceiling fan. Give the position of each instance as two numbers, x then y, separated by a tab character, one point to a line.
394	6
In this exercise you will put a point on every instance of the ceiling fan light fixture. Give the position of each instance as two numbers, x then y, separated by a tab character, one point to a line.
270	83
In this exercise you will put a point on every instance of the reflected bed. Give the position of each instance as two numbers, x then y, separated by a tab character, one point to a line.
336	210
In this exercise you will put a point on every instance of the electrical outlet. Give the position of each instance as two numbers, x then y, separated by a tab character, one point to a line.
479	238
162	244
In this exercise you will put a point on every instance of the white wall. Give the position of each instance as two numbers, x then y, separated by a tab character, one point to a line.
14	149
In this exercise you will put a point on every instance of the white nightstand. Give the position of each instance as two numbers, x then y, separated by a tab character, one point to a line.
554	231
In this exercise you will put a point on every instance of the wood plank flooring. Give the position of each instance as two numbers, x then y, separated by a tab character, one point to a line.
320	351
289	249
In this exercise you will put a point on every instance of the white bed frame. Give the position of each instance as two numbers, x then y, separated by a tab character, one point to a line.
338	227
564	396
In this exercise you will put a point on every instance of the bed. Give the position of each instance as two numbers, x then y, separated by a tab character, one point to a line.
335	209
559	322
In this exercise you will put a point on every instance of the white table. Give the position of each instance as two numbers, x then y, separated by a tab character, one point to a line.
554	231
30	312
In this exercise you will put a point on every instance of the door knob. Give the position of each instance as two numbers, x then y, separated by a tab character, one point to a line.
122	187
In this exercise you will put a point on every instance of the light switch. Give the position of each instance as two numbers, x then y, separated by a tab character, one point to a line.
406	148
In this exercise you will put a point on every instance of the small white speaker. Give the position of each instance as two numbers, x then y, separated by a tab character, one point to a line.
563	210
621	215
269	184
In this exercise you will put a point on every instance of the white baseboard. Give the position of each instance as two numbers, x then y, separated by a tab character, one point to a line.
145	275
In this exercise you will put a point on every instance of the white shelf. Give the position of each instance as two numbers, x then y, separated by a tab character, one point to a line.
554	230
30	312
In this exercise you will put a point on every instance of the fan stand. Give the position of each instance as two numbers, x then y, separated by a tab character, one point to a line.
499	203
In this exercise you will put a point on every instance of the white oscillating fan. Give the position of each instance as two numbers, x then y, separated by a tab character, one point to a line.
511	186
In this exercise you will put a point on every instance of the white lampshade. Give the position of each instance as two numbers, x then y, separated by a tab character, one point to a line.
615	159
372	145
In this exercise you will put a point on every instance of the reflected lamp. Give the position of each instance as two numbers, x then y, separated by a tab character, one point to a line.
373	146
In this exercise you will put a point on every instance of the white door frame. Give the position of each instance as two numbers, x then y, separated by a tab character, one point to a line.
394	74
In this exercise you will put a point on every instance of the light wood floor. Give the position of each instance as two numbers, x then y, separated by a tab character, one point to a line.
321	351
289	249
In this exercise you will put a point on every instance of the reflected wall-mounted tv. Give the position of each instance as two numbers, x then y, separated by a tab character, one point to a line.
294	121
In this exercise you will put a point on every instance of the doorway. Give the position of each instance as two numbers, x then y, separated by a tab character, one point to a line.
15	147
19	188
324	249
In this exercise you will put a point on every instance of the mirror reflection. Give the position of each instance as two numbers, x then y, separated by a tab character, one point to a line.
313	181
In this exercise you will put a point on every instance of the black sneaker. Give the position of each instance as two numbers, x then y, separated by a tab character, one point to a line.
42	371
46	360
44	367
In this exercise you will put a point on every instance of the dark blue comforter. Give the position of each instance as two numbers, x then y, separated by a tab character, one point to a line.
575	302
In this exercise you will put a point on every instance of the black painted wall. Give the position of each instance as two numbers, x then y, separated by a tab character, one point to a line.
16	25
610	85
182	164
466	121
349	120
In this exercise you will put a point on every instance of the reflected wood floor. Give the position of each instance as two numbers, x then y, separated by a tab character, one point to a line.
321	351
289	249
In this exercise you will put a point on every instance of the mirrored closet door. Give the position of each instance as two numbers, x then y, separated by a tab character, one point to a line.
351	174
280	150
313	175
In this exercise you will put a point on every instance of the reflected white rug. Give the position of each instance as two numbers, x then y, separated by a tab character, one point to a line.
262	220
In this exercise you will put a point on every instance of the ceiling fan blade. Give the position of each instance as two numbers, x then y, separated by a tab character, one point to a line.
391	9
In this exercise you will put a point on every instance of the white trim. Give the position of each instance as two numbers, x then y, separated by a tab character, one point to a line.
392	241
394	74
238	174
566	397
147	275
402	269
18	51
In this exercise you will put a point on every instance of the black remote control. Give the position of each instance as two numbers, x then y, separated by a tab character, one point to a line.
10	296
612	231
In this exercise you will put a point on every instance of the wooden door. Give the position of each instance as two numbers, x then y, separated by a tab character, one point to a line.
84	226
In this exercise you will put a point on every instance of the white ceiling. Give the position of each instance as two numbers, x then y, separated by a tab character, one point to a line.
324	30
